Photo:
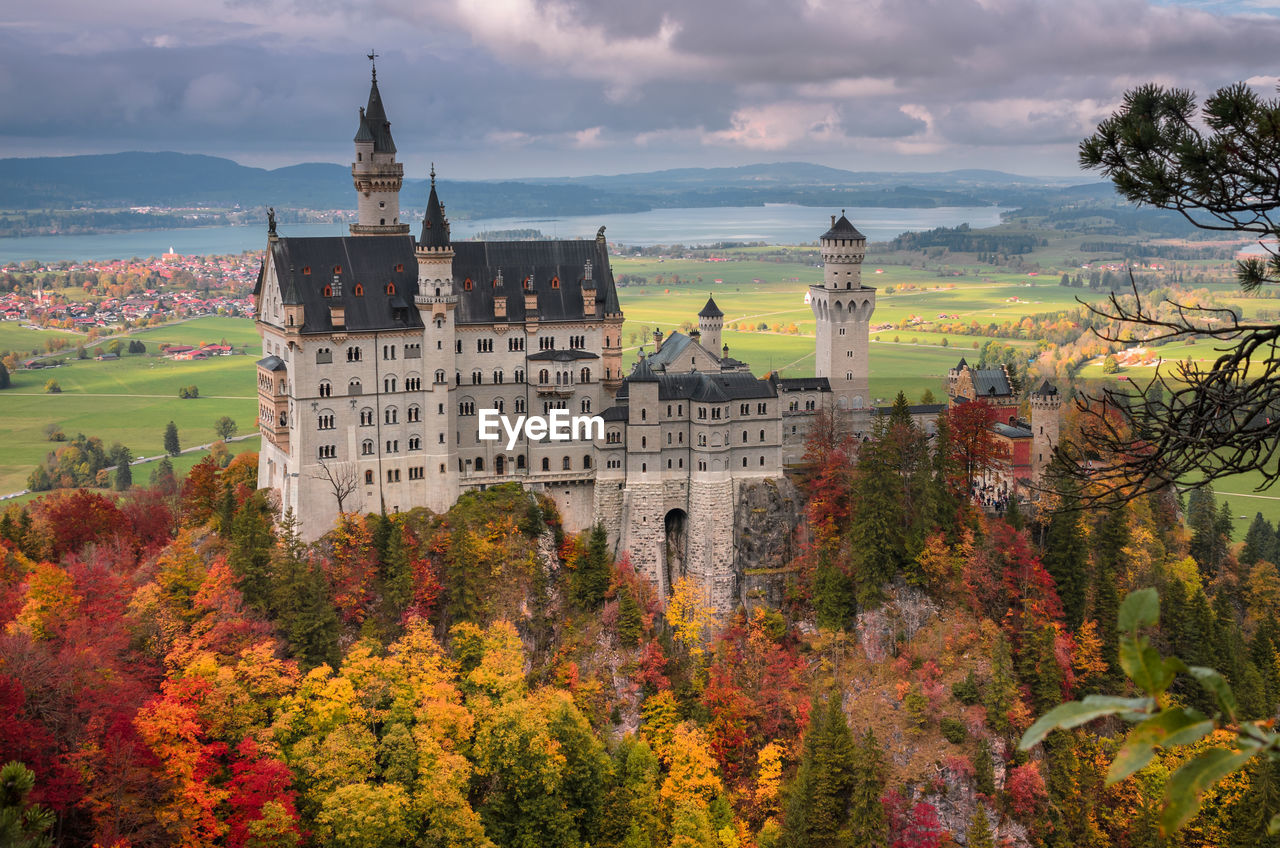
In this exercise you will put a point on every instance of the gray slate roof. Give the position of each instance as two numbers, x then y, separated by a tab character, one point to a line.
843	229
799	384
700	387
990	382
272	363
374	125
372	262
711	310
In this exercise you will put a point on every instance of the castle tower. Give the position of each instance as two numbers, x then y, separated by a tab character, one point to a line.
842	307
376	173
436	302
1046	406
710	323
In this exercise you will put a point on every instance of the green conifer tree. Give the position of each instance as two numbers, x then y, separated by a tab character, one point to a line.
171	445
121	457
867	826
1259	542
251	547
590	580
301	600
817	809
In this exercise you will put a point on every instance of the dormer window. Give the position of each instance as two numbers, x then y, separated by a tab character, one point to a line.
391	288
328	291
400	268
555	282
337	269
306	269
466	284
359	290
528	283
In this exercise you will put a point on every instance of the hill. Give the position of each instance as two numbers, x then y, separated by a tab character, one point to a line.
169	179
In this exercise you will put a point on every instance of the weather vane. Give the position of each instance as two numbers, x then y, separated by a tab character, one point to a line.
373	55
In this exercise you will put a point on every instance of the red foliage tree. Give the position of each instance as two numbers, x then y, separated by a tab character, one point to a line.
256	780
67	520
975	450
912	825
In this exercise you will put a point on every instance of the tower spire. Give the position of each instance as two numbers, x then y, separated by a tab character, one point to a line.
373	56
375	172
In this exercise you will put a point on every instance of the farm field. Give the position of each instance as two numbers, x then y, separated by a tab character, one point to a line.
128	401
237	331
15	337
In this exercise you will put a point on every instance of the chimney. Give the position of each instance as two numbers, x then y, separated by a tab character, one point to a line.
657	340
833	220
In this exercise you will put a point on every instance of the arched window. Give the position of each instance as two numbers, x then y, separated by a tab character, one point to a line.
586	461
440	378
353	387
366	447
544	376
359	290
585	375
326	388
566	464
368	478
520	462
479	463
466	284
390	416
388	384
546	464
328	291
555	282
391	287
499	465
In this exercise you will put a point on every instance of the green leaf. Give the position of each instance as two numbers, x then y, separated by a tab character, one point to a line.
1144	666
1273	826
1217	686
1178	726
1191	781
1076	713
1140	609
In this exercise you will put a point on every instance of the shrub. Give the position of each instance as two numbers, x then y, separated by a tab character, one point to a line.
52	387
953	730
966	691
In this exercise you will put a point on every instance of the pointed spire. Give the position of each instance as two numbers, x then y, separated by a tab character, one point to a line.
373	119
711	310
435	226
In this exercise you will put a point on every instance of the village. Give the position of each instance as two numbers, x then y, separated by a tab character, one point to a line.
96	296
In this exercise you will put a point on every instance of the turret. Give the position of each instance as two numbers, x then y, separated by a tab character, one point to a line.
842	307
1046	405
710	323
375	172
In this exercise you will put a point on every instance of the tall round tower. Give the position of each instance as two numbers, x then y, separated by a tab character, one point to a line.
376	173
710	323
842	308
1046	405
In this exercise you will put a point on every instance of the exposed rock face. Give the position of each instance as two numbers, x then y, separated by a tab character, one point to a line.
905	611
764	523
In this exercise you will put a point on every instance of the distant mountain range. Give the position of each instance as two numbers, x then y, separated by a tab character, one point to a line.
181	179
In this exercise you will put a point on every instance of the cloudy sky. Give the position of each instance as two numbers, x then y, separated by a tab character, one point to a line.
501	88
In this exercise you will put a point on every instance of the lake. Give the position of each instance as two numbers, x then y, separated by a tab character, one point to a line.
774	223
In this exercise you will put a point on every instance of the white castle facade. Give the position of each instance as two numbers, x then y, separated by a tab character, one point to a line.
381	349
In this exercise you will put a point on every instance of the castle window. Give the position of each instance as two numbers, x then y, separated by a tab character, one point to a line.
528	283
555	282
466	284
586	405
328	291
337	269
391	416
520	404
354	388
359	290
762	408
415	414
546	464
520	462
586	462
389	384
585	375
476	377
744	437
744	462
519	375
354	354
326	388
440	378
306	269
366	417
565	464
323	355
368	478
328	451
762	460
762	435
366	447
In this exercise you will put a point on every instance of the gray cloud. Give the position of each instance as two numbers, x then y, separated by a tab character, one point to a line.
608	85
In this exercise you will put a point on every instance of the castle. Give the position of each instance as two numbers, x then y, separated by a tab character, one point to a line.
381	351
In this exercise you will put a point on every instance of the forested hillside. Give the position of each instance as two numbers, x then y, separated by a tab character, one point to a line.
175	669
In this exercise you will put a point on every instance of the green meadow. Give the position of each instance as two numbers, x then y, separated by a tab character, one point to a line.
23	340
129	400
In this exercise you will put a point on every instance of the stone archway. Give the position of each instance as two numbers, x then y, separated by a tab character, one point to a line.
675	546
